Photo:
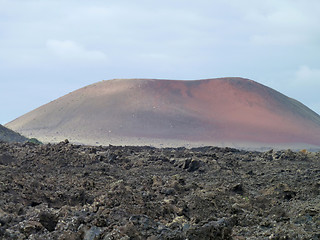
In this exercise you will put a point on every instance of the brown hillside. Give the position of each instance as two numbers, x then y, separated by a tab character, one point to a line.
226	111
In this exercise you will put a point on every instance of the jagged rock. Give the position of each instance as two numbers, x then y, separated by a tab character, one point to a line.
93	233
48	220
214	230
68	192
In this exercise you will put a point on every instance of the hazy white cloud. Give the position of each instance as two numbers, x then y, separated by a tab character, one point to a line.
74	52
266	41
281	22
288	39
307	76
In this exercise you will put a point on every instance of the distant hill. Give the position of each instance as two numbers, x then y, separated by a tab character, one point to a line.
7	135
234	112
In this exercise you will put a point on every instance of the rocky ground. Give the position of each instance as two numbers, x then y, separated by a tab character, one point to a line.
65	191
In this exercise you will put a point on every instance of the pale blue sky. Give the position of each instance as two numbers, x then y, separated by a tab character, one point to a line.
51	47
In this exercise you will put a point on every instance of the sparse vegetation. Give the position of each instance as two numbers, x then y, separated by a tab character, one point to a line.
34	140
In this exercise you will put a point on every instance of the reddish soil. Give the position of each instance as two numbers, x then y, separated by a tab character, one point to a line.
228	111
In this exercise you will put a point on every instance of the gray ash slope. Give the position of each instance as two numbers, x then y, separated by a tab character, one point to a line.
65	191
7	135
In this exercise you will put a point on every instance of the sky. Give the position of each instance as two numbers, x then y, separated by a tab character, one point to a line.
49	48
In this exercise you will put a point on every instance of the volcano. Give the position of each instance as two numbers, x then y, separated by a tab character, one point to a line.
233	112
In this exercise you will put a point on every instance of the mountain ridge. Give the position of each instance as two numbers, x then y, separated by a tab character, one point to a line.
7	135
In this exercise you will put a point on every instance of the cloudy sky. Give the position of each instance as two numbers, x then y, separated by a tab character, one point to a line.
49	48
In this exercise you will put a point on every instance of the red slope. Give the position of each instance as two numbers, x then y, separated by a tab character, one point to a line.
226	110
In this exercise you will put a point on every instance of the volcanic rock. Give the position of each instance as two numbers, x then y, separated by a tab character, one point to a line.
66	191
